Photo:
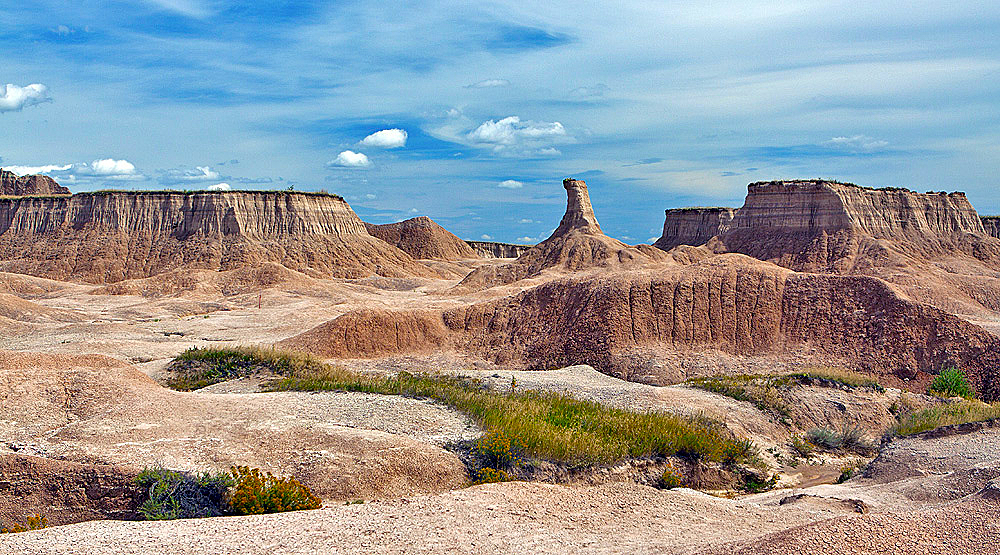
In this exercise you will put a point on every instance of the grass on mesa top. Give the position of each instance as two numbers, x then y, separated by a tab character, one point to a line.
548	426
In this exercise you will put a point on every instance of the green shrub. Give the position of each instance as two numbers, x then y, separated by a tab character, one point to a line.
497	450
200	367
803	447
670	479
171	494
847	471
961	412
752	483
951	382
850	438
824	438
33	522
830	375
258	493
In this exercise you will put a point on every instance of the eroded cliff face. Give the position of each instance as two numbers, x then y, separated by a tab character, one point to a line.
491	249
992	225
730	303
13	185
423	238
693	226
817	225
110	236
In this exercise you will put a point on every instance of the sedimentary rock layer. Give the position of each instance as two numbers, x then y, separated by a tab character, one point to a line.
729	303
13	185
423	238
490	249
819	225
693	226
110	236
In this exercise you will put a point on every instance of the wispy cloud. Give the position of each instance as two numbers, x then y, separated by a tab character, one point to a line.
175	176
488	83
857	143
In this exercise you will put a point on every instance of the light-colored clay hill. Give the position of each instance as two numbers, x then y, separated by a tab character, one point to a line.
13	185
693	226
423	238
106	237
577	244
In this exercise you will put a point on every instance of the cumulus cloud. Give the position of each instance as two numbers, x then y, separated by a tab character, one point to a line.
487	83
857	143
386	138
15	98
525	239
220	187
485	237
511	136
175	176
110	166
350	159
511	184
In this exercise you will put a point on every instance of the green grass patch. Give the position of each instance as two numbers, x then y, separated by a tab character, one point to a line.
961	412
198	367
829	375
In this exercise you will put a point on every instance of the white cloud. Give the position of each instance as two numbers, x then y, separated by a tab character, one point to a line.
525	239
511	136
370	196
526	221
15	98
184	175
33	170
857	143
414	210
511	184
350	159
386	138
219	187
111	167
485	237
487	83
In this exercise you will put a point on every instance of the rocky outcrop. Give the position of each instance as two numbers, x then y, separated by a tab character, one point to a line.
577	244
13	185
816	225
490	249
729	303
992	225
693	226
423	238
106	237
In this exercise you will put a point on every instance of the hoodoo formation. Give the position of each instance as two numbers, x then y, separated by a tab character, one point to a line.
693	226
105	237
577	244
423	238
13	185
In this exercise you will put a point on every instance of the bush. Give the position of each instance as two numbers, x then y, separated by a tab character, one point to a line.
670	479
803	447
172	494
33	522
850	438
951	382
488	475
497	450
824	438
258	493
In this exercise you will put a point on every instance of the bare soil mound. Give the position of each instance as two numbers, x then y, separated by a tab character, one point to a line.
423	238
96	410
238	281
107	237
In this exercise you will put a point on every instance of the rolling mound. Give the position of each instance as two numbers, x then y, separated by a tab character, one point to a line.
577	244
13	185
693	226
106	237
423	238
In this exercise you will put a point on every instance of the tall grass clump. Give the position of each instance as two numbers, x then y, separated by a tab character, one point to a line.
831	375
549	426
952	414
951	382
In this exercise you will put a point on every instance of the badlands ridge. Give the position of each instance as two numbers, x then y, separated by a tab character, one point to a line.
100	291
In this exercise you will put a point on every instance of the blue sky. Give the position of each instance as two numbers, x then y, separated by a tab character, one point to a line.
657	105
